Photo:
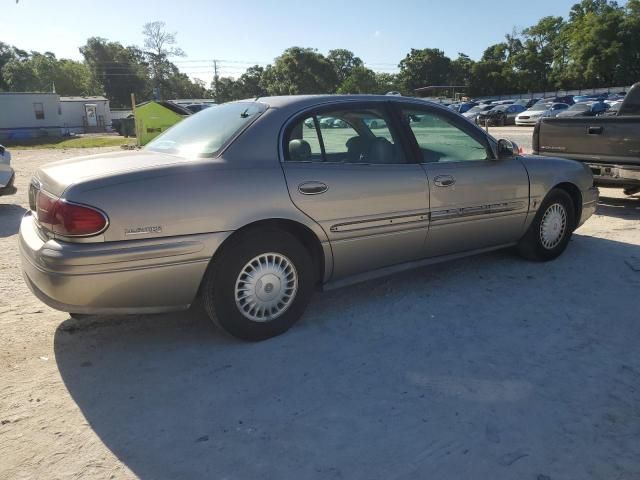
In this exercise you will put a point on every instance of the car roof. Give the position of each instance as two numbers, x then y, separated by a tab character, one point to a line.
302	101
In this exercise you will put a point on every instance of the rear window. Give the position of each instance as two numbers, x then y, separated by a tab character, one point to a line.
204	134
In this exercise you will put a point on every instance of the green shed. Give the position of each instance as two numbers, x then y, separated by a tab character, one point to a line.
154	117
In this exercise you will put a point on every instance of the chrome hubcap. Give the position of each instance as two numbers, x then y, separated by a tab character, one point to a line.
553	226
266	287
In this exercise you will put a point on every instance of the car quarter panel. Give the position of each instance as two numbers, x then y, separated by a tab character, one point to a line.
139	276
547	172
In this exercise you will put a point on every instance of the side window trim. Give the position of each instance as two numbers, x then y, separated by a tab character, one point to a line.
456	122
384	106
316	123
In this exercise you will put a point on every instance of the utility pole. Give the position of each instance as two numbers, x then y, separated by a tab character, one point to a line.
215	79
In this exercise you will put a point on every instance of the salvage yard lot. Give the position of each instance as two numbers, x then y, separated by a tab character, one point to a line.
487	367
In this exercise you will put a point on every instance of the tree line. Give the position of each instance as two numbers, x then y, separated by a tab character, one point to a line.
597	45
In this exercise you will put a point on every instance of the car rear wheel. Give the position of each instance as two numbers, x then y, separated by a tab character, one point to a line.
551	229
260	285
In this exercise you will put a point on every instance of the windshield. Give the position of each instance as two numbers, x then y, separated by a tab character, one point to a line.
204	134
580	107
480	108
500	108
540	107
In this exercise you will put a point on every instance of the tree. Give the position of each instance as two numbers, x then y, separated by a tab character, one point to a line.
300	71
594	44
388	82
421	68
495	53
629	34
7	53
360	80
37	72
344	61
160	46
228	89
250	83
119	70
159	42
461	70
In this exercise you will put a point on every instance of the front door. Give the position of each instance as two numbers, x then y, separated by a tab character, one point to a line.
346	169
91	114
476	201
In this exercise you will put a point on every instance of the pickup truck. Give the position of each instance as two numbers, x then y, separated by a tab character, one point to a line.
610	145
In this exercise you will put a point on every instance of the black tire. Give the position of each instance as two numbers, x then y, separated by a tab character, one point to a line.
219	286
531	245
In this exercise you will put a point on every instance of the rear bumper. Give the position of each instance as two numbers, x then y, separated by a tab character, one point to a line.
135	276
615	175
589	204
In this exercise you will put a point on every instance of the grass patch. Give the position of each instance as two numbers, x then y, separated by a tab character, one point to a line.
69	142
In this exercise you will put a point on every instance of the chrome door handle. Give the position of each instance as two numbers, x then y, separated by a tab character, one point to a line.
444	180
594	130
312	188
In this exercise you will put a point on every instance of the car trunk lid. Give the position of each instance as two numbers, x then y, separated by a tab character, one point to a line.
56	177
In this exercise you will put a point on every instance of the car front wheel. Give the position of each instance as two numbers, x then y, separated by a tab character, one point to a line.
260	285
551	229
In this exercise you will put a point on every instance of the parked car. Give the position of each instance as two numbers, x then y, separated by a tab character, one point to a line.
501	115
538	111
590	98
585	109
526	102
472	113
327	122
462	107
7	175
568	99
211	208
608	144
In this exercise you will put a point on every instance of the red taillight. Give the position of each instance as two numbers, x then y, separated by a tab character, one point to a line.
68	219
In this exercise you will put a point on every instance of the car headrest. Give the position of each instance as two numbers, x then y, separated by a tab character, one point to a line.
299	150
356	148
380	151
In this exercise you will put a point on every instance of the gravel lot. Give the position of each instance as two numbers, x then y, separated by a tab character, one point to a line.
488	367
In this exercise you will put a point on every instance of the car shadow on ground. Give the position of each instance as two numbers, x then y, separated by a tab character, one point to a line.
627	208
10	216
488	367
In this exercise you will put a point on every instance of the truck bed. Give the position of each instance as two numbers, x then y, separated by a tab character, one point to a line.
604	140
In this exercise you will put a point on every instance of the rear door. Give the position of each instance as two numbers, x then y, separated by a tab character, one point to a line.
348	170
476	201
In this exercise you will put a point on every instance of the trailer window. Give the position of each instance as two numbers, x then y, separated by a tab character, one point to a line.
38	108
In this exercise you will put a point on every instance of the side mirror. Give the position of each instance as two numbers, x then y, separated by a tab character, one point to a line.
506	148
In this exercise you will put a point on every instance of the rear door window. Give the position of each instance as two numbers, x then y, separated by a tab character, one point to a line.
345	135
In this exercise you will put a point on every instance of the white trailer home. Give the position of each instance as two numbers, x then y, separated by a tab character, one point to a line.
29	114
85	114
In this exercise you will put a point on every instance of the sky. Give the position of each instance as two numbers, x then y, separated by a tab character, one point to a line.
242	33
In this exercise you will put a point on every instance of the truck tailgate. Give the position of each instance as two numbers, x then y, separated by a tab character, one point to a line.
614	140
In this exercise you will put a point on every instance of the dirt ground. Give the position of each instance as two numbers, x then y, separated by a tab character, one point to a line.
488	367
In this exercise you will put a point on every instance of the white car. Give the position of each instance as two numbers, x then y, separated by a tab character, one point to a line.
7	174
538	111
